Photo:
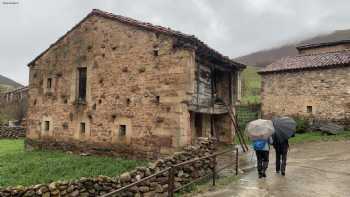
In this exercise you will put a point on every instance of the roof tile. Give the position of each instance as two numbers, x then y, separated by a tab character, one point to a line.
302	62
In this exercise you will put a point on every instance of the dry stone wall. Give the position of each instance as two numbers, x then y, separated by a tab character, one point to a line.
321	94
156	186
12	132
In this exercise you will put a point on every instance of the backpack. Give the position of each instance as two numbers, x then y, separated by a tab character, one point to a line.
259	144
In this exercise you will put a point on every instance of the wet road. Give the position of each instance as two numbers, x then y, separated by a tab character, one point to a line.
318	169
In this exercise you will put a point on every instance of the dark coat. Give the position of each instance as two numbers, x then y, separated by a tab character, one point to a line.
280	146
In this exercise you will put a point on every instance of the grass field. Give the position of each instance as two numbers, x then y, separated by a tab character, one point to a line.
18	167
251	85
317	136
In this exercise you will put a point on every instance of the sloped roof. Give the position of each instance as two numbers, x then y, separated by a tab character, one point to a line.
191	40
331	39
310	61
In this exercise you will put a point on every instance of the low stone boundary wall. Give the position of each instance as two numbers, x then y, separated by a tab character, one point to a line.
93	148
156	186
12	132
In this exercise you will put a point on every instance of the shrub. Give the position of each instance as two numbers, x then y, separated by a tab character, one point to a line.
302	124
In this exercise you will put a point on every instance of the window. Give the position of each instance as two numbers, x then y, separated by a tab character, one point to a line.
309	109
122	130
82	128
47	125
49	83
155	52
82	84
128	101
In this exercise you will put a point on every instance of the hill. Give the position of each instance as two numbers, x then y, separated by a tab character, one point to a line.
251	82
265	57
6	83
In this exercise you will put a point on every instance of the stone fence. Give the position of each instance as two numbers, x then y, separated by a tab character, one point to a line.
12	132
156	186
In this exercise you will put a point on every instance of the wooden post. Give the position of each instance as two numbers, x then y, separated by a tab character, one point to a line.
214	170
171	182
237	161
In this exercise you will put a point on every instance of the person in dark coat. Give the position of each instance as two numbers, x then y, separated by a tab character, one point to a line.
281	148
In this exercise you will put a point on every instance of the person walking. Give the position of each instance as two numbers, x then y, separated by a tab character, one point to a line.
281	147
262	148
285	128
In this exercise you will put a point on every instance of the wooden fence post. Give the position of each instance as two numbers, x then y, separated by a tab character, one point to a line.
171	182
237	161
214	170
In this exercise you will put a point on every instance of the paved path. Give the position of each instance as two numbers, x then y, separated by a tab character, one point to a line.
319	169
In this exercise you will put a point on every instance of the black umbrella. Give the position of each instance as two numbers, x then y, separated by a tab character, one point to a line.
285	127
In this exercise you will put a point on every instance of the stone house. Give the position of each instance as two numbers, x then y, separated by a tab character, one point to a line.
314	84
115	85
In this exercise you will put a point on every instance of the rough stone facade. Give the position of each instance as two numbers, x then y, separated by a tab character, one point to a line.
317	93
138	89
157	186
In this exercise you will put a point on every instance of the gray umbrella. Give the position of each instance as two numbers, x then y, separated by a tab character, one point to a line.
284	127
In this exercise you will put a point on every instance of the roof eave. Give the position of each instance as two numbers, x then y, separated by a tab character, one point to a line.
192	40
302	69
324	44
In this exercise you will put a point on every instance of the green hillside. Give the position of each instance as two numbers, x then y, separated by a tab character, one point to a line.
4	88
251	85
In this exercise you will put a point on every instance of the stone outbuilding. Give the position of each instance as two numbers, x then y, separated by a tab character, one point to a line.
314	84
118	86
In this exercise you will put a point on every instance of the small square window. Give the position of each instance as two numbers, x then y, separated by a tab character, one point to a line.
155	52
309	109
122	130
49	83
47	125
82	128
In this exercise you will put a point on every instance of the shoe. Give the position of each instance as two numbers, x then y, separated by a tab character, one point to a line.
264	175
277	172
260	176
283	174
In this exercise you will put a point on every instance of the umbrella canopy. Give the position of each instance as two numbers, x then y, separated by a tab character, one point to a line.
285	127
260	129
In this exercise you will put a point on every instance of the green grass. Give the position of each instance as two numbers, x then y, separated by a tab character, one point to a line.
251	84
4	87
317	136
18	167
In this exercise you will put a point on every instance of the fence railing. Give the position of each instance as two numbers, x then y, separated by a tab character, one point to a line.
172	169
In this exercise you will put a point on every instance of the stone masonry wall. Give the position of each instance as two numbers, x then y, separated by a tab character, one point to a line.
12	132
327	91
101	185
127	84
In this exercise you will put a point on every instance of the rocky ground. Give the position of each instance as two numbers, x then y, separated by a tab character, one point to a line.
317	169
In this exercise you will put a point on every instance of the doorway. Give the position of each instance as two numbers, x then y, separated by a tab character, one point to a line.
198	124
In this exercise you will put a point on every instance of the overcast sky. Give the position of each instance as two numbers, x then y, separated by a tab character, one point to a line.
233	27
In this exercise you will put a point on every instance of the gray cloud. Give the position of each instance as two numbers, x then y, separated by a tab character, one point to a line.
233	27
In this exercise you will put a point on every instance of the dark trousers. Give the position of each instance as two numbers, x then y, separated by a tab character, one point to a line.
281	159
263	160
